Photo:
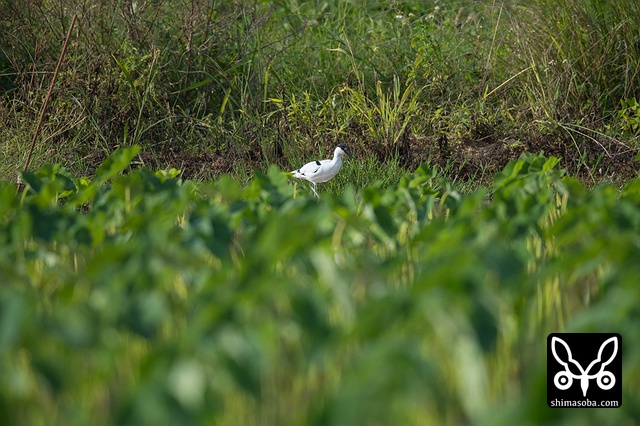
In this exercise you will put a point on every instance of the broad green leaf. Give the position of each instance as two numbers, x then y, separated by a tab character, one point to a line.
115	163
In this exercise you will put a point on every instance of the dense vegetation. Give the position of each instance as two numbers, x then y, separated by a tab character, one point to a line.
212	86
204	286
153	300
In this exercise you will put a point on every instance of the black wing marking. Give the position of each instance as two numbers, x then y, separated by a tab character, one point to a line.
309	169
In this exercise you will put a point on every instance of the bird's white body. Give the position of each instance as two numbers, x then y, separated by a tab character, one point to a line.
322	171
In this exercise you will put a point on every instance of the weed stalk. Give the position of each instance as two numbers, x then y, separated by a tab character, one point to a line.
46	102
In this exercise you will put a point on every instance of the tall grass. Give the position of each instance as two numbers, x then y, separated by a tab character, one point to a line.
583	57
257	82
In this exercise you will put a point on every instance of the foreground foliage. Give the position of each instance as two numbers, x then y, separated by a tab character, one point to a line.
143	299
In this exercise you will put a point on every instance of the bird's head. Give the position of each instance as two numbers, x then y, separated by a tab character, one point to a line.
342	150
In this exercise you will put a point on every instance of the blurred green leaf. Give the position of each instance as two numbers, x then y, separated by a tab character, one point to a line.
115	163
153	300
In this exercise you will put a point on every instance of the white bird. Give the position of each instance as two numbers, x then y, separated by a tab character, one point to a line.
321	171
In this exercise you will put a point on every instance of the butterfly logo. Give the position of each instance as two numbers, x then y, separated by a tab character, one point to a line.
564	379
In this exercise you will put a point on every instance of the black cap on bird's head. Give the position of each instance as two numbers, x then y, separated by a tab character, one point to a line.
344	148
